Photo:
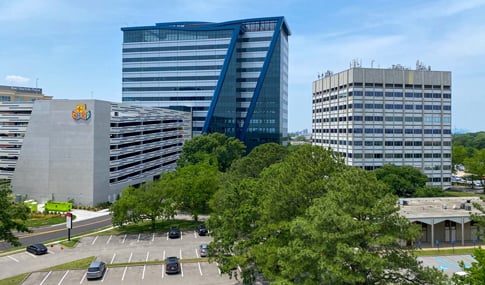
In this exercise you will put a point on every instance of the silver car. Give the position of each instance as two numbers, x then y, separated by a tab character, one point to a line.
203	250
96	270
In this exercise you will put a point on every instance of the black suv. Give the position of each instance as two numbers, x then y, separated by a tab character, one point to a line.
174	232
37	249
202	230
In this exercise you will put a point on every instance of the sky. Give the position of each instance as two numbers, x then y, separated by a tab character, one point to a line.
72	49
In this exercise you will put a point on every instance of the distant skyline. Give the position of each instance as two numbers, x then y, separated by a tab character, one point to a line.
72	49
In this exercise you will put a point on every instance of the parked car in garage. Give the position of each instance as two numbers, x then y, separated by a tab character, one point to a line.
172	265
96	270
37	249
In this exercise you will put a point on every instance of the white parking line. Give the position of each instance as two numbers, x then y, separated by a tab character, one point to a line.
167	236
163	266
33	255
143	274
105	273
164	255
94	240
82	279
124	272
200	269
12	258
180	253
138	239
124	238
181	235
195	234
153	237
113	259
197	253
45	278
131	255
109	239
148	254
218	269
182	269
62	279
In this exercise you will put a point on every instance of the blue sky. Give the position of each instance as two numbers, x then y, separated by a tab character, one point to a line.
72	49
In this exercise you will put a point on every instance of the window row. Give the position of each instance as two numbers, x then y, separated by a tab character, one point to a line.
398	131
175	58
384	143
172	68
170	78
175	48
357	93
408	119
388	85
372	106
158	35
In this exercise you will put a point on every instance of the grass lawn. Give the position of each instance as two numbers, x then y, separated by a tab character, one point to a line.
39	220
146	227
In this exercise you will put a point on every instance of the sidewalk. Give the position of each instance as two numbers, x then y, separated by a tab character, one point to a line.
85	215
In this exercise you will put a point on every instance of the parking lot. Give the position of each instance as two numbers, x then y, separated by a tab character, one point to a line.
116	249
449	264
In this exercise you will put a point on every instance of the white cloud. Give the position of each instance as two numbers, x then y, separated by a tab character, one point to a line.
16	79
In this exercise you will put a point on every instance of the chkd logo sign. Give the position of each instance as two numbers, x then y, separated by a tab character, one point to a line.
81	112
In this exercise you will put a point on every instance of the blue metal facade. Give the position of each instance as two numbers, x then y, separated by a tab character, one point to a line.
233	76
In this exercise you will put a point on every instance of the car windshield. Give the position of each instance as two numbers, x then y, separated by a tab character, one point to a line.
203	246
93	269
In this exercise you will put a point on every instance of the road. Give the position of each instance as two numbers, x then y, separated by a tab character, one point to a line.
44	234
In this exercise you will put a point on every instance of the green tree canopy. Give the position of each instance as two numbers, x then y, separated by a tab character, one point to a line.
150	201
403	180
12	217
459	154
476	164
258	159
310	219
216	148
193	186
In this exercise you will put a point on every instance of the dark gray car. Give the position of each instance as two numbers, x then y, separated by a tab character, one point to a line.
172	265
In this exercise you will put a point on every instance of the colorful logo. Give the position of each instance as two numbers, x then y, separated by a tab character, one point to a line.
81	112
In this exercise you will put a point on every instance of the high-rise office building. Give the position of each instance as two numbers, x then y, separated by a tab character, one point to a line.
374	116
232	76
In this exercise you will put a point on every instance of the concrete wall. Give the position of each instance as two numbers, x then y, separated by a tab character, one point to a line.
58	154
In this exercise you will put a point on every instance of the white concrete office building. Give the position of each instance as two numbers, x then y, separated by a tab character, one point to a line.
375	116
90	150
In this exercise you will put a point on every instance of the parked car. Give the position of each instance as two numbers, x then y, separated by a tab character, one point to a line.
203	250
96	270
37	249
174	232
202	230
172	265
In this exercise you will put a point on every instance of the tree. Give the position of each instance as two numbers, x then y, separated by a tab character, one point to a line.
261	157
403	180
476	164
151	201
12	217
216	148
310	219
459	154
350	236
193	186
475	273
